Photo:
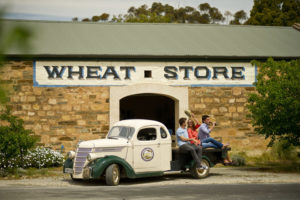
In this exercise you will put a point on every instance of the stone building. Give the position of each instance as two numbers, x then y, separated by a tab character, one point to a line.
80	78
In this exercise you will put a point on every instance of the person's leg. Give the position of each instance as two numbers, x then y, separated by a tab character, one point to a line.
198	150
215	142
209	145
192	151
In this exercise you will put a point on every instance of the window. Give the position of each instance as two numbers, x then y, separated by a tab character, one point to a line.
147	134
147	74
121	131
163	133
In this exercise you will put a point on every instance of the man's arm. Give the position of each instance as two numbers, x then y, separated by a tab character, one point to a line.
205	130
187	139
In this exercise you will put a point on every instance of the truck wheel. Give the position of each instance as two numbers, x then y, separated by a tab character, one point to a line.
112	175
200	173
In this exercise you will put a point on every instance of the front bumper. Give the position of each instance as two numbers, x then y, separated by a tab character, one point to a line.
87	173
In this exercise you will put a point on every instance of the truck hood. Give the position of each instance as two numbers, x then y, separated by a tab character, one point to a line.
119	142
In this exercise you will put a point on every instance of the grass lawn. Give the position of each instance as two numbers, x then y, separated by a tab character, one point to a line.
32	173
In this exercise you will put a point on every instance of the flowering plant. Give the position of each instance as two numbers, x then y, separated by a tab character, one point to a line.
40	157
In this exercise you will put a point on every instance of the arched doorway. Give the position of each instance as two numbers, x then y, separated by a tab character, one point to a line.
178	94
149	106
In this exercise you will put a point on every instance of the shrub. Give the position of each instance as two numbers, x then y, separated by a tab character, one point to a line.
283	150
37	158
14	139
238	160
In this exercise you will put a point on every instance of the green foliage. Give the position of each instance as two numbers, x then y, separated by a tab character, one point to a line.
239	159
159	13
282	150
275	108
275	12
11	37
239	17
37	158
14	139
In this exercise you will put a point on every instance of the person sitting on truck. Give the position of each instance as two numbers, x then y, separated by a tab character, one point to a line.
192	129
185	145
207	141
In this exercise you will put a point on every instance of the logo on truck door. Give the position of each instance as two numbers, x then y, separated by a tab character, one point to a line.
147	154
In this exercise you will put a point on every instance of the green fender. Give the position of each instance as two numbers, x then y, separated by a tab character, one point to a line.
203	157
209	162
68	164
99	165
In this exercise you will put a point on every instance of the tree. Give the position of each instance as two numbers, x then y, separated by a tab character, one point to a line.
239	17
104	16
275	107
95	18
228	15
275	12
210	14
11	37
14	139
159	13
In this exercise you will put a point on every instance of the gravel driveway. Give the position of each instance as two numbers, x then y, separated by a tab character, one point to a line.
222	175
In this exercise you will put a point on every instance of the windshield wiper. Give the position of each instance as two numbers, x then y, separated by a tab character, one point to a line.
113	137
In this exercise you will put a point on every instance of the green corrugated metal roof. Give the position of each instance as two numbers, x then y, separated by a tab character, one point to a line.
159	40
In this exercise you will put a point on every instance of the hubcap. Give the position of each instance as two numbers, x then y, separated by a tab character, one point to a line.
115	174
202	171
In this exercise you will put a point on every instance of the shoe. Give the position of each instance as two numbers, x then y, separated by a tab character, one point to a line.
228	164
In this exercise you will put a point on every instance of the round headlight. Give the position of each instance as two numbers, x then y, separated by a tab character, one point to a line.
91	156
71	154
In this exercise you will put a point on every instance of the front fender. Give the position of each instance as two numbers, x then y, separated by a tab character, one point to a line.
68	164
99	165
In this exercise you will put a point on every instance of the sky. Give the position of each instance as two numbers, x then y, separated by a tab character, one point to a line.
65	10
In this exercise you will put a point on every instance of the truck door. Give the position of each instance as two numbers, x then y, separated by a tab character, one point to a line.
147	150
165	148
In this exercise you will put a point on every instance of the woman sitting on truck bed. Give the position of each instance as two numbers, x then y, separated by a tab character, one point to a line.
206	140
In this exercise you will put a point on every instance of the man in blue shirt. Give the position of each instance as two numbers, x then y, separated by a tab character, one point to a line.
207	141
185	145
204	136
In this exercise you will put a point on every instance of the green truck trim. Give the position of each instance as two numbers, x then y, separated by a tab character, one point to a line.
203	158
209	162
68	164
99	165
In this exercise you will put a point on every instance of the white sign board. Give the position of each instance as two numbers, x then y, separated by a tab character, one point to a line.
194	74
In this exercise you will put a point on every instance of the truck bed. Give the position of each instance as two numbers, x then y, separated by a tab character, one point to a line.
213	155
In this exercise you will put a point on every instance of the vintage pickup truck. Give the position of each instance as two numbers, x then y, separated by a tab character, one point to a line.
133	149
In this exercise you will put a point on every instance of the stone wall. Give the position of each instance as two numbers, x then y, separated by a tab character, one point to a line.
227	106
65	115
58	115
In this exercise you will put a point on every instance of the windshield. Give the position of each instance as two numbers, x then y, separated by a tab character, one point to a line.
121	131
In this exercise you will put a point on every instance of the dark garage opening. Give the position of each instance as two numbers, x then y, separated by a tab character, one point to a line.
149	106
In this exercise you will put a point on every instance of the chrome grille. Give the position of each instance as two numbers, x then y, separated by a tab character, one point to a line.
81	159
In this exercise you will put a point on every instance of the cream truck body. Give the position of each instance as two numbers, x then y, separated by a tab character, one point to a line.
132	148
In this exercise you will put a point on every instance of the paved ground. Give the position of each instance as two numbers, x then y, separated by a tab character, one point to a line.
225	175
166	192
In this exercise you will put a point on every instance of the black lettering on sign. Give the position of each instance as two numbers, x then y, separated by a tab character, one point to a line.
110	70
237	73
186	71
54	73
127	71
171	72
71	72
220	70
92	72
206	72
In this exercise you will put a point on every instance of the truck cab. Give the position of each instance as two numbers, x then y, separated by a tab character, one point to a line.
133	149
